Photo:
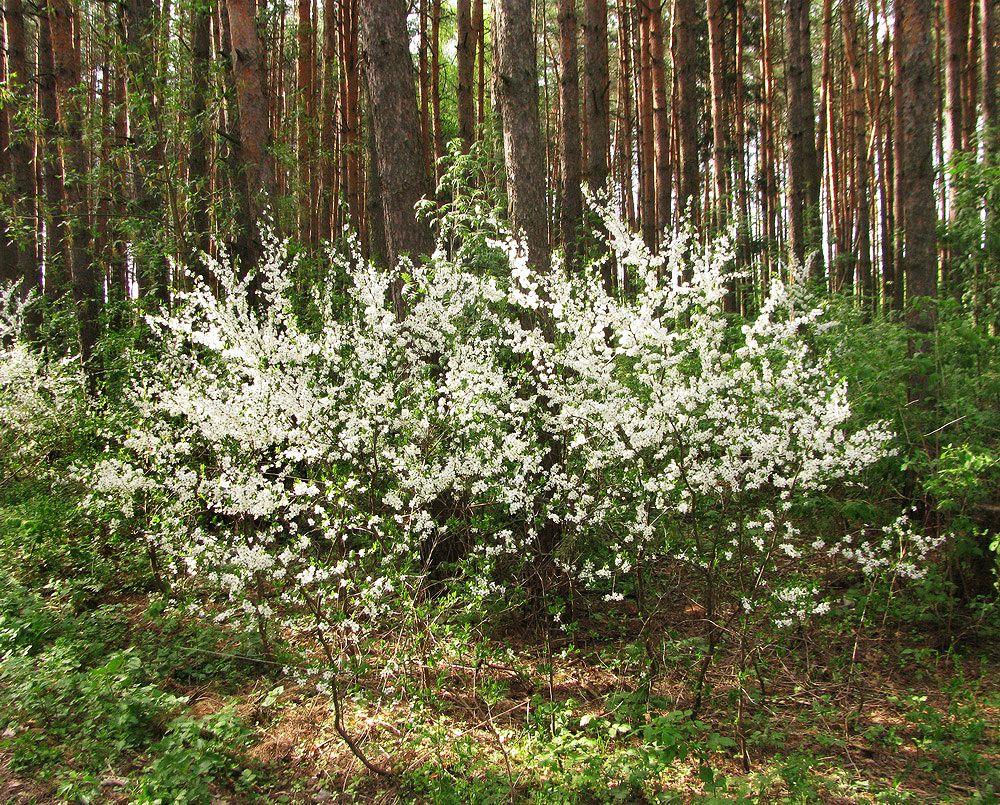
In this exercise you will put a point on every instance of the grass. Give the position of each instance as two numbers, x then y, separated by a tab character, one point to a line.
129	701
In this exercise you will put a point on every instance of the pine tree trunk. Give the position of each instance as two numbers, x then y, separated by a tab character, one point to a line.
9	272
20	151
149	156
597	91
304	118
919	218
720	127
803	168
254	159
661	119
85	281
198	163
956	29
395	124
862	223
624	135
57	258
466	52
991	138
769	148
350	111
647	140
569	131
435	86
374	232
988	67
685	68
524	152
328	141
479	30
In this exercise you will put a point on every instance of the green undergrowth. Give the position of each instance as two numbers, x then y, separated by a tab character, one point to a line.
93	703
99	704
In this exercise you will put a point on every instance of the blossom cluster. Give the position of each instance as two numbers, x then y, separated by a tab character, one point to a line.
317	468
40	398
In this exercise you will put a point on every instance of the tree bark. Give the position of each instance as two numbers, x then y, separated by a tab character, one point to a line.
861	238
988	68
149	157
803	169
624	128
350	110
435	86
479	29
327	136
524	153
9	272
305	117
20	151
198	163
919	218
256	159
56	244
395	124
661	120
956	29
569	131
720	128
685	71
647	140
597	91
466	52
991	134
86	290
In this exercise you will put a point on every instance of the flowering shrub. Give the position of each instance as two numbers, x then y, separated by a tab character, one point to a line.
318	477
40	399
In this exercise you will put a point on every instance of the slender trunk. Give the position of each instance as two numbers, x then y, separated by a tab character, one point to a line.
803	168
9	271
328	147
769	160
988	33
917	179
569	131
597	91
86	290
466	52
198	163
479	27
647	141
661	119
20	151
244	176
436	86
350	109
740	151
424	78
623	137
991	134
956	28
685	70
862	225
305	115
720	127
56	243
148	157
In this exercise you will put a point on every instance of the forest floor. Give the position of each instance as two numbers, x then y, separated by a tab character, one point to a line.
121	699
